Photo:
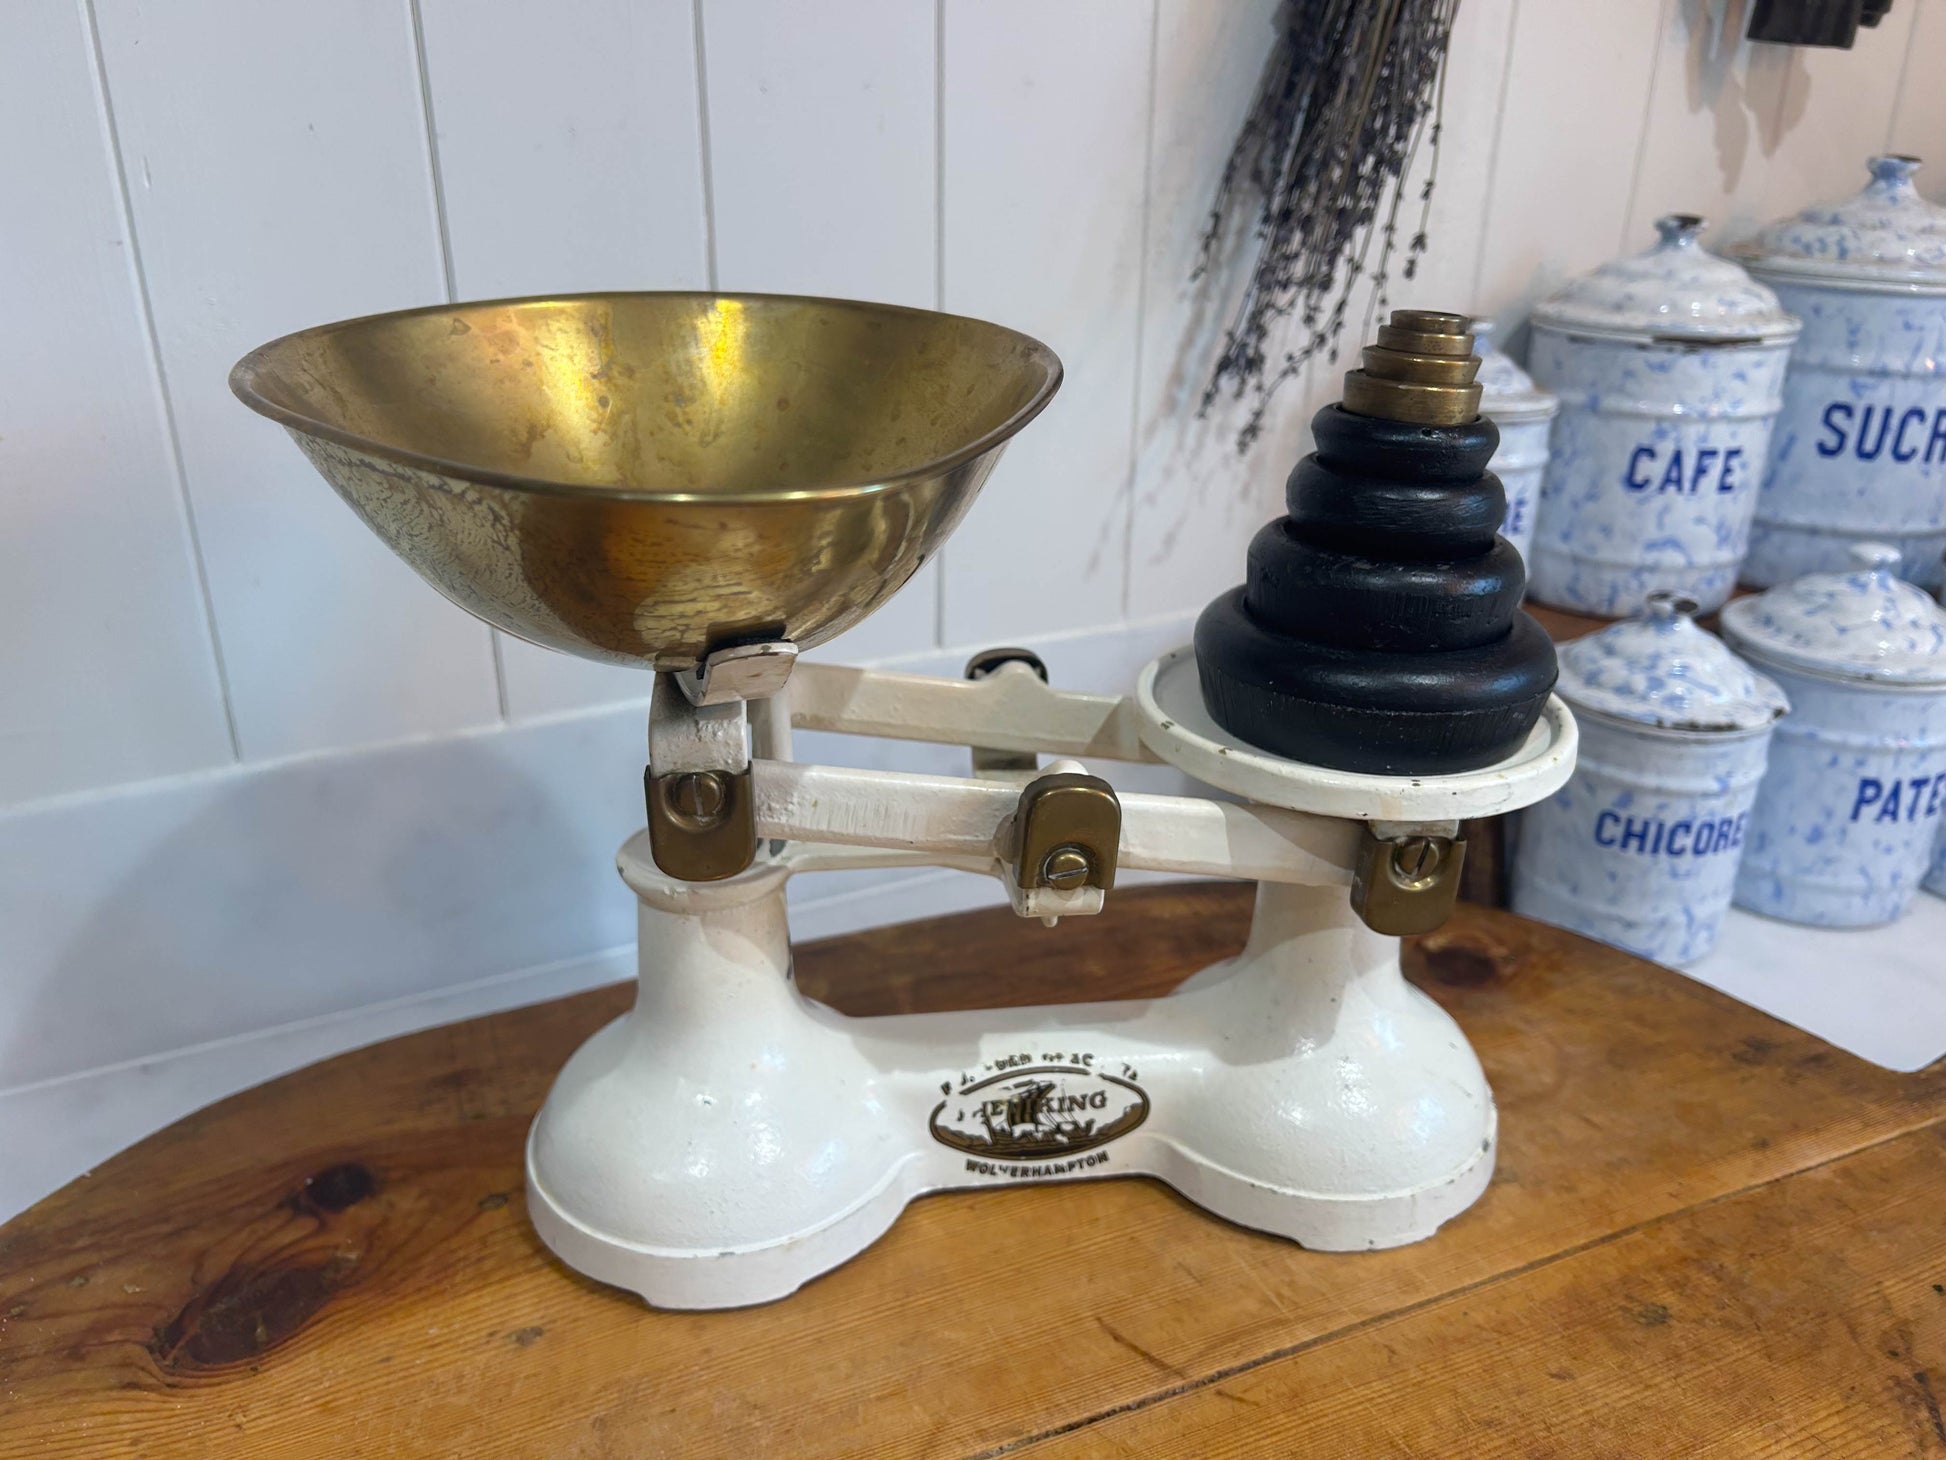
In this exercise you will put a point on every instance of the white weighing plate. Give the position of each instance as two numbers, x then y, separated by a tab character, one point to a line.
1176	726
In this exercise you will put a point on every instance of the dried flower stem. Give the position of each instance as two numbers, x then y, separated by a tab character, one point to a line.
1350	90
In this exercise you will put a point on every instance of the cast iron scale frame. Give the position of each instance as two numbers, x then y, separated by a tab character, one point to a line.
782	466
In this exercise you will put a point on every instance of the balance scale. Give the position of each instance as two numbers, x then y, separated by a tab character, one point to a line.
708	485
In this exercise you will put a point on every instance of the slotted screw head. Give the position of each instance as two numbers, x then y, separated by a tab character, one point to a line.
1065	868
697	798
1416	859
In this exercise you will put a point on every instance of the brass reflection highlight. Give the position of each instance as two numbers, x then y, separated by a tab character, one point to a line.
639	478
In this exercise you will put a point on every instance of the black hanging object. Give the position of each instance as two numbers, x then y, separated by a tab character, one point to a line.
1813	22
1379	627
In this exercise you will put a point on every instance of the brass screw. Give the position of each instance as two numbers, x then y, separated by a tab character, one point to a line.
1415	861
1065	868
696	799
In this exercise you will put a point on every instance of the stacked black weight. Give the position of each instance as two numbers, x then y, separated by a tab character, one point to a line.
1379	628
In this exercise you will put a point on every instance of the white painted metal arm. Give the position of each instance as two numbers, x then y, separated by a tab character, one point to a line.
686	737
829	857
1010	709
1225	839
950	817
891	809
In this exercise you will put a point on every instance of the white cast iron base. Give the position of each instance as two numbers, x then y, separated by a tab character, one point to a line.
729	1139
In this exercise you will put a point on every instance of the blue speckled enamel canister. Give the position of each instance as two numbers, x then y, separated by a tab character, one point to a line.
1935	882
1670	369
1524	415
1860	447
1640	848
1845	819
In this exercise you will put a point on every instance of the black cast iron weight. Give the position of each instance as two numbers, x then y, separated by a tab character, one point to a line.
1379	627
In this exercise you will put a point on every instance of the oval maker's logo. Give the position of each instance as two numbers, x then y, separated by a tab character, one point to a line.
1028	1115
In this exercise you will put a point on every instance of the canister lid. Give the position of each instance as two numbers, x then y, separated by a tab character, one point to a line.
1886	235
1507	393
1660	669
1867	624
1674	293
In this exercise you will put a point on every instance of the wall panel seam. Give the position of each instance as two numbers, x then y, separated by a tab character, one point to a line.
159	373
1493	149
1624	244
450	274
703	142
1792	75
1141	320
939	260
433	170
1905	78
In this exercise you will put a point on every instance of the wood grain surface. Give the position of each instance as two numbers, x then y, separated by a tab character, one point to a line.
1709	1233
1563	625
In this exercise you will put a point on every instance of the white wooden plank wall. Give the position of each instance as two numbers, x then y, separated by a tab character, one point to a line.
278	176
567	140
1048	164
1578	77
1194	499
1919	115
181	597
1045	147
107	672
1834	113
824	179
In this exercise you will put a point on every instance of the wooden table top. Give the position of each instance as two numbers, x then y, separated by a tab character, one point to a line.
1709	1234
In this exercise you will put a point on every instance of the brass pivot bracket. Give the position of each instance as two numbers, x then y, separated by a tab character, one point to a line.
1421	371
701	823
1067	834
702	815
1407	881
992	661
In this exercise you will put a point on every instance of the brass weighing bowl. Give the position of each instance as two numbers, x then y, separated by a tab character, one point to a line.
641	478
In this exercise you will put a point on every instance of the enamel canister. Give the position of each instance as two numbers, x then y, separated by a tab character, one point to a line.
1670	367
1860	448
1935	879
1845	818
1640	848
1524	413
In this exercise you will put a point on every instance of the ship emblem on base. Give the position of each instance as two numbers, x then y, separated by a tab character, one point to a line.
1037	1113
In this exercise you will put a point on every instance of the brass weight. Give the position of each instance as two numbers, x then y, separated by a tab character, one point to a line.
1421	370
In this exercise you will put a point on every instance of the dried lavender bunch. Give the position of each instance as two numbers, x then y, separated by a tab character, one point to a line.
1349	91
